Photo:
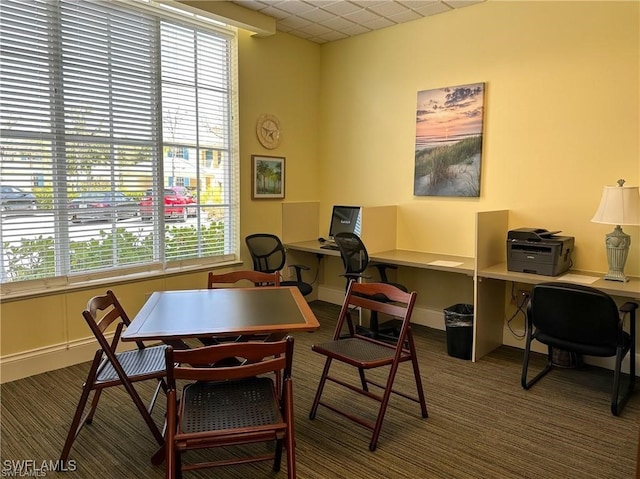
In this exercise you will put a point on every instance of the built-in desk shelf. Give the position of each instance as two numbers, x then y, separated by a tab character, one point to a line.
419	259
630	289
311	246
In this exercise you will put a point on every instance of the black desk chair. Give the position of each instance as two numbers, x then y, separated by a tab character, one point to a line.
581	320
356	260
268	255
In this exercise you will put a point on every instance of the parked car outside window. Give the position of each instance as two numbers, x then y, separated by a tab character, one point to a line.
177	204
13	198
102	205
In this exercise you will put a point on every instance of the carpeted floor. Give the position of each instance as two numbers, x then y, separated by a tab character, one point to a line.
481	423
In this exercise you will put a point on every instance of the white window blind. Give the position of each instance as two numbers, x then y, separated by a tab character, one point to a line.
117	141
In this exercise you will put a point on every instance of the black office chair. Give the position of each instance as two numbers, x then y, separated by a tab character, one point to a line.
581	320
268	255
356	260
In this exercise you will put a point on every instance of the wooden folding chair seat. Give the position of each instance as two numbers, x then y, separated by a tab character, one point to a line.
111	368
365	353
228	406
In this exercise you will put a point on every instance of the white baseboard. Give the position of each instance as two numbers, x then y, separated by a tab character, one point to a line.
37	361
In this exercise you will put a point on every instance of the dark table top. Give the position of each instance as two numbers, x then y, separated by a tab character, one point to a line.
226	311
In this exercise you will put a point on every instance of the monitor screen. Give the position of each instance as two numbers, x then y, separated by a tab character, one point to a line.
345	219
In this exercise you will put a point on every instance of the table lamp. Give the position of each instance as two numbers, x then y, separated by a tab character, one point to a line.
620	205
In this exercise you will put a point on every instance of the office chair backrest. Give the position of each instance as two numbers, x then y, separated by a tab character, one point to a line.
267	252
353	253
575	313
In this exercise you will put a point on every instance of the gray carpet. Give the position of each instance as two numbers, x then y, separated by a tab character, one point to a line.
481	423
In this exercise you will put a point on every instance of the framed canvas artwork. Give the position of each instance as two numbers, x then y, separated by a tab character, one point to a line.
448	149
267	178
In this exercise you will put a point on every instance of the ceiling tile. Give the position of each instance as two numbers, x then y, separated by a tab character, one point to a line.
275	13
415	4
406	16
316	15
316	30
361	16
341	8
338	23
295	23
333	36
432	9
355	30
387	8
379	23
293	6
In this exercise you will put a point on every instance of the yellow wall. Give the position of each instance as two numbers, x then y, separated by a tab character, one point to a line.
562	120
279	75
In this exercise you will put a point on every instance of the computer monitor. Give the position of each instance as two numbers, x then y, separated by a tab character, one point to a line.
344	219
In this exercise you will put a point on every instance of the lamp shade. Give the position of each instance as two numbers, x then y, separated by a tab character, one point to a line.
619	205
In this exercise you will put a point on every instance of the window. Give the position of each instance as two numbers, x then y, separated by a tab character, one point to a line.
109	105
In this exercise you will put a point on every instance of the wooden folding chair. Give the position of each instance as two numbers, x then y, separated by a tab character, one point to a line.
227	406
111	368
258	278
365	353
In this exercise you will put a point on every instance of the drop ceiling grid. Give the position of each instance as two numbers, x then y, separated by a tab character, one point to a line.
322	21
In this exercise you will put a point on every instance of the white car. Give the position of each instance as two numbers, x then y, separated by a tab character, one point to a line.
13	198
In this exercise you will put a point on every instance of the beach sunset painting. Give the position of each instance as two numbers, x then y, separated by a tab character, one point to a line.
448	151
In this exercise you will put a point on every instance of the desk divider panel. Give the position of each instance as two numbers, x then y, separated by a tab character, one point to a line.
379	225
300	221
491	237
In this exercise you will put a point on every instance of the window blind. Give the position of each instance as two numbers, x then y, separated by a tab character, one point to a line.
117	141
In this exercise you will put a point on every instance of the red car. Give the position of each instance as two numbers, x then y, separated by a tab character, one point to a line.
176	204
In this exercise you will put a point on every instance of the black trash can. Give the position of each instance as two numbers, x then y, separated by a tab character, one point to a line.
458	320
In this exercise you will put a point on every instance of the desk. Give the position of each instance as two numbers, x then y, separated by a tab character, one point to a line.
399	257
226	311
418	259
421	271
311	246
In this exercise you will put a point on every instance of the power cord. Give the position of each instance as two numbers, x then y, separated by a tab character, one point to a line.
520	300
315	278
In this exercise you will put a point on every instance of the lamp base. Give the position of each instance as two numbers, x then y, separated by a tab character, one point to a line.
616	276
617	250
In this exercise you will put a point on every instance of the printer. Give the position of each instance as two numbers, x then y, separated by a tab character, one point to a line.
538	251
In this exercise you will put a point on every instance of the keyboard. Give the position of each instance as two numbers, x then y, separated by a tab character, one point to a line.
331	246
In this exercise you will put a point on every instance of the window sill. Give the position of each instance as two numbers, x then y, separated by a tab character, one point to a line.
21	294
